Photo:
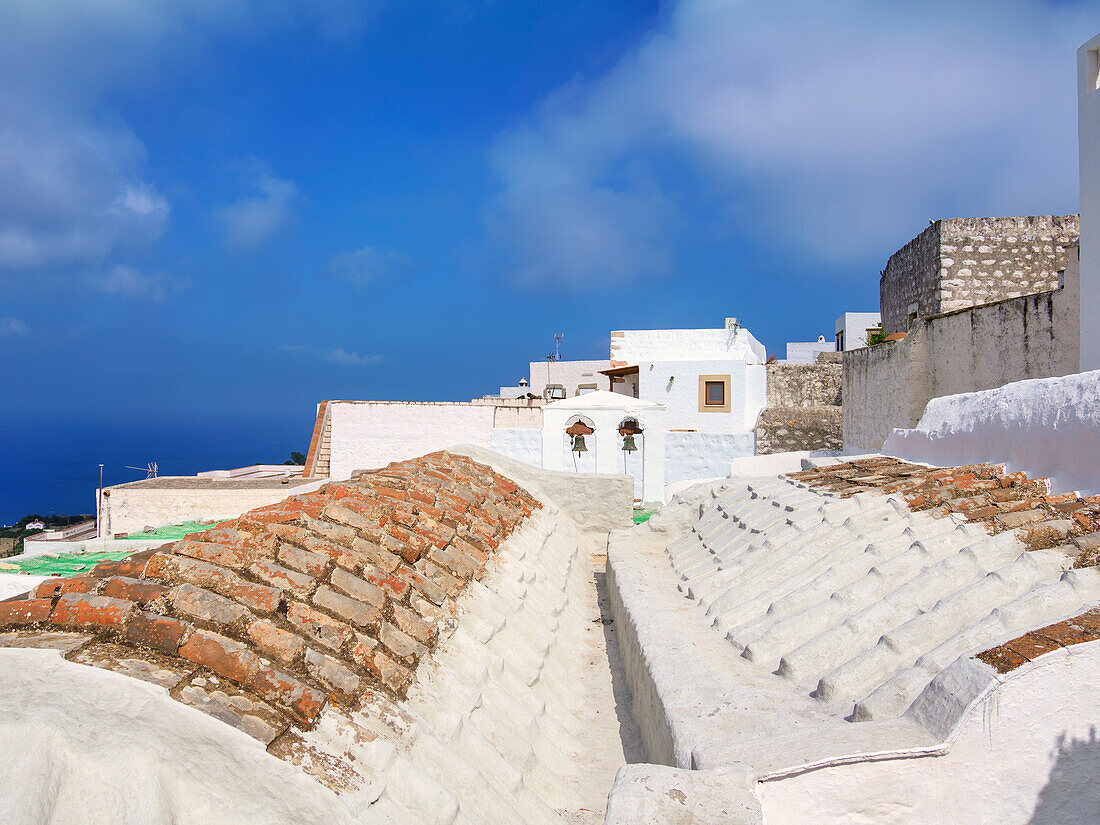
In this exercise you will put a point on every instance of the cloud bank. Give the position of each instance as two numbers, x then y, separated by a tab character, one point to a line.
834	129
367	264
257	217
74	186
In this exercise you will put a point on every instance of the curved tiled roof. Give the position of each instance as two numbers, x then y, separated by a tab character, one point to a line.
329	596
984	493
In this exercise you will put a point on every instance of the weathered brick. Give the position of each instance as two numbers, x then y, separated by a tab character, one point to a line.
430	589
344	683
395	587
134	590
305	561
1007	521
413	625
26	611
408	553
275	642
57	586
357	588
318	626
282	689
354	520
199	603
340	533
132	567
84	611
376	555
151	630
454	561
351	610
403	646
224	656
221	554
225	582
274	574
315	544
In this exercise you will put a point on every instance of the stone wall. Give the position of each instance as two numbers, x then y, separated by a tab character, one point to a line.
785	429
804	385
964	262
980	348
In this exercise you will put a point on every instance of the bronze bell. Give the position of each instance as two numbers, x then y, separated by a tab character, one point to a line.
578	444
628	443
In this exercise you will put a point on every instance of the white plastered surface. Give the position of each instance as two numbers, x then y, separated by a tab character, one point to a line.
768	628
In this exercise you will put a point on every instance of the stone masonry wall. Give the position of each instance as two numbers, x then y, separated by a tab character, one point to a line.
909	278
979	348
784	429
804	385
964	262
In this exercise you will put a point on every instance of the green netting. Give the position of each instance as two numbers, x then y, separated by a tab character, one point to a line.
642	515
60	564
70	564
172	532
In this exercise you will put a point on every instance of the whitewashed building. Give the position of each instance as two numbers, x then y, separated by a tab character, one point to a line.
694	396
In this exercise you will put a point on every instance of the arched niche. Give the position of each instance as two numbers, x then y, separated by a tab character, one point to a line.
580	430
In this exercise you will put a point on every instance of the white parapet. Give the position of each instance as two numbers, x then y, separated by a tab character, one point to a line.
795	657
1047	426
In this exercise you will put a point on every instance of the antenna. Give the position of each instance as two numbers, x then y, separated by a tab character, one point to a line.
150	469
557	345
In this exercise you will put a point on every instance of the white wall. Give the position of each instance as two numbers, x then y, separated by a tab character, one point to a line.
570	374
704	455
638	345
367	435
132	509
1088	135
854	325
1049	427
520	444
806	352
1026	753
748	395
604	445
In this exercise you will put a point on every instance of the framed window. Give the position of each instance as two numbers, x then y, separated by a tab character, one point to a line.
714	393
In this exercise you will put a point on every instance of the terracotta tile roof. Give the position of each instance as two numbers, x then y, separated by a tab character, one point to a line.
1010	655
326	597
983	493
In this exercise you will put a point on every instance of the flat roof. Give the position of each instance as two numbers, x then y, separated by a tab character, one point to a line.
199	483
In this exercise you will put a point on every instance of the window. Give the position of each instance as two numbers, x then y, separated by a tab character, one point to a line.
714	393
840	341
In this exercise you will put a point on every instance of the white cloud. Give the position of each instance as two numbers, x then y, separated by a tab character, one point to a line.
259	216
10	327
336	356
74	188
351	359
839	128
368	264
129	282
71	192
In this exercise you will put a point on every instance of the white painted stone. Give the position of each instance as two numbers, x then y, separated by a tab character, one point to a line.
1049	427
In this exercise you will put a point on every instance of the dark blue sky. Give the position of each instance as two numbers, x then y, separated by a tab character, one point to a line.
221	213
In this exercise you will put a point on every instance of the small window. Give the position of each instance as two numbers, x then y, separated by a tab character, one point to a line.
715	393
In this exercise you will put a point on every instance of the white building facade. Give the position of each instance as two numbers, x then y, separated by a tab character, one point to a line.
688	398
852	329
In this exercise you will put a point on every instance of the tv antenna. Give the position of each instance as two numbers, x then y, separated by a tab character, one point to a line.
149	469
557	347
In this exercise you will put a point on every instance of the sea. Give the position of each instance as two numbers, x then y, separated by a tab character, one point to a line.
51	467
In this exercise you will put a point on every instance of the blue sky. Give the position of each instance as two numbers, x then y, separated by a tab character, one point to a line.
230	210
